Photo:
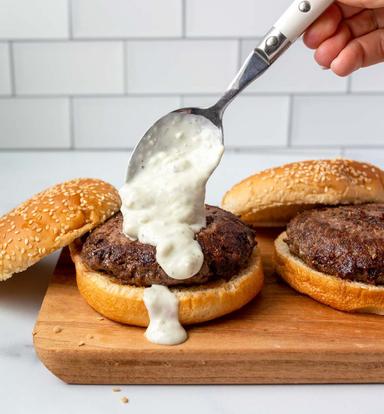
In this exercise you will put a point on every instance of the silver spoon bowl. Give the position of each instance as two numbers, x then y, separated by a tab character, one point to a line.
253	67
291	25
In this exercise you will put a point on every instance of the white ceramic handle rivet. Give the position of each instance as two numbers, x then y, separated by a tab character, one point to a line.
305	6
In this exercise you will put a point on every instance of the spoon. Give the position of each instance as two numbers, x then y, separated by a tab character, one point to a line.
296	19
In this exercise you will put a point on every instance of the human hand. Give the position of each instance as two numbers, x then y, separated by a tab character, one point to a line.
348	36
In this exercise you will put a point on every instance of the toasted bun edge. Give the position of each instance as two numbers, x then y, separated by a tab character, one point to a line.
344	295
272	197
52	219
124	303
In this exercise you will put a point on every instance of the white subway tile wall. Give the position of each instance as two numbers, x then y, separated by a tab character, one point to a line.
95	74
34	123
127	18
117	122
68	68
369	80
338	120
251	121
5	72
33	19
232	18
180	66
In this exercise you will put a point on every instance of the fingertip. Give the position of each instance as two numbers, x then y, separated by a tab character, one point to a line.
348	60
310	40
340	67
322	57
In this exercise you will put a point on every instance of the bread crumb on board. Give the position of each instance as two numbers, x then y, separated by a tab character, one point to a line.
81	343
57	329
116	389
124	400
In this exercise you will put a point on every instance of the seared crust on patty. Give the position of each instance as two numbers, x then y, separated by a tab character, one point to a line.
226	242
347	241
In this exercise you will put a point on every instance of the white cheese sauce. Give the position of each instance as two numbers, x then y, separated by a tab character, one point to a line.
163	203
163	310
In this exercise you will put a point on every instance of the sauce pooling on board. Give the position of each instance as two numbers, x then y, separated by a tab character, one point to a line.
163	205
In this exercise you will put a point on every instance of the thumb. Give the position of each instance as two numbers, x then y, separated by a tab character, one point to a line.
365	4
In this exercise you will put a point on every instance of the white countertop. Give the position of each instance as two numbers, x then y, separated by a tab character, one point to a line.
26	386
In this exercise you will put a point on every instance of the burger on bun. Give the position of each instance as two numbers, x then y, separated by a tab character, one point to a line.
112	270
333	248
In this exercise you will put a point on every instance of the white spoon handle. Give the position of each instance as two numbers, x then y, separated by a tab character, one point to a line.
299	16
296	19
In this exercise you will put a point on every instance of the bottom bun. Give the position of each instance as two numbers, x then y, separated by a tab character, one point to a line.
124	303
331	290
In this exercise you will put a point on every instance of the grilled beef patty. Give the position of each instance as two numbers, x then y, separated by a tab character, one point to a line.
226	242
347	241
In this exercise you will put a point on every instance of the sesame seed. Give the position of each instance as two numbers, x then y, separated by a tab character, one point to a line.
124	400
81	343
57	329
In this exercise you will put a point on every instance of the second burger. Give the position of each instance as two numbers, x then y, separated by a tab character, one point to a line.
333	248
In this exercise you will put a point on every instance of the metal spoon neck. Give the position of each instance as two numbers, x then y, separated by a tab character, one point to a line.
257	62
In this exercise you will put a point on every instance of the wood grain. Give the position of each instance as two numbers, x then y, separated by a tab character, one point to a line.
281	337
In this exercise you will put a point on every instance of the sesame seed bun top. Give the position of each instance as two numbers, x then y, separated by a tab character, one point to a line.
53	219
272	197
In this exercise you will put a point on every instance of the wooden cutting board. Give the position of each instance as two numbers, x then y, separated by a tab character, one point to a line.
281	337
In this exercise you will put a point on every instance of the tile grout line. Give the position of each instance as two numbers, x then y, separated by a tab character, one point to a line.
349	85
290	121
231	149
71	124
125	68
12	69
176	94
184	19
70	21
122	38
239	54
